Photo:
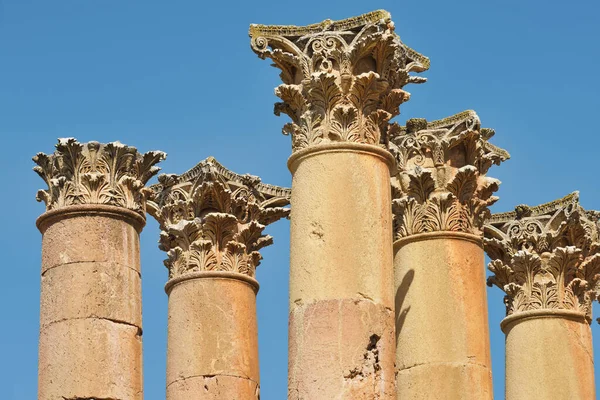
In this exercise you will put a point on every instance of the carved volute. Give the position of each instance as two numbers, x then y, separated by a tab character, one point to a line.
546	257
95	173
342	80
212	219
441	183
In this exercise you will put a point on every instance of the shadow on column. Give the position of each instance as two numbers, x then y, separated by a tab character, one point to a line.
399	301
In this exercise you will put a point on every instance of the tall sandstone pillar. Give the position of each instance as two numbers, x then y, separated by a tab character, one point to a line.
91	310
212	223
440	200
547	260
342	82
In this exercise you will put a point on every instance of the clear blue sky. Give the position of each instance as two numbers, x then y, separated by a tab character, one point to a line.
179	76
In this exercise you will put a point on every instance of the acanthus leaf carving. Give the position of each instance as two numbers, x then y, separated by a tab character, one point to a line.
213	219
421	185
94	173
564	242
444	213
294	104
464	184
441	184
350	75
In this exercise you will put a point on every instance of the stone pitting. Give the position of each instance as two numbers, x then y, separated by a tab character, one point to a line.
342	80
441	183
546	257
213	219
94	173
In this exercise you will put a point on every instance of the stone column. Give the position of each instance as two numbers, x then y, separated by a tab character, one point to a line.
342	82
440	199
547	260
91	306
212	223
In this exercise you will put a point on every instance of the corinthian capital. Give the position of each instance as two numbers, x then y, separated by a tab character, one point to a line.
546	257
212	219
441	183
95	173
342	80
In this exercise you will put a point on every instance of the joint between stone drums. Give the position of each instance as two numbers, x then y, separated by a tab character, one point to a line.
419	237
102	210
522	316
343	147
253	283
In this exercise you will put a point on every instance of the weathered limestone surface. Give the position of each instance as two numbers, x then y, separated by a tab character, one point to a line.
212	223
549	358
546	259
441	195
443	348
213	346
342	82
341	304
91	318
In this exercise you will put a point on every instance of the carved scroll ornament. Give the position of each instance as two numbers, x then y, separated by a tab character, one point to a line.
546	257
342	80
95	173
441	183
212	219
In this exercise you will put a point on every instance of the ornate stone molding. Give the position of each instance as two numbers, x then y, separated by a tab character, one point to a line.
546	257
95	173
342	80
213	219
441	183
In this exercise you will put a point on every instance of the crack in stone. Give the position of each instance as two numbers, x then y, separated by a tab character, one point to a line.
89	398
209	376
364	297
449	363
116	321
92	262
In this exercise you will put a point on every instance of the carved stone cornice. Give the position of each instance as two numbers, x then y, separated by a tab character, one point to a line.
95	173
546	257
212	219
342	80
441	183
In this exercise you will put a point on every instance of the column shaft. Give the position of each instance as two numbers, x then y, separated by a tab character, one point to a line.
212	224
213	337
549	357
441	318
341	317
91	313
342	83
441	198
